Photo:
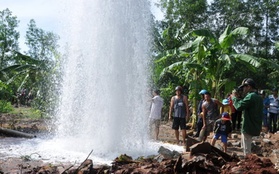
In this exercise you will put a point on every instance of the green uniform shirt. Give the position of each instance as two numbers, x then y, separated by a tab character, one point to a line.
252	107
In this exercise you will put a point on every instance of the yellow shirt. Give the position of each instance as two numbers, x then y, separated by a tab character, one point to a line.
226	108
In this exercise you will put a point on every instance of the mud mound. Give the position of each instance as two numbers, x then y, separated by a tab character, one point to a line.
251	164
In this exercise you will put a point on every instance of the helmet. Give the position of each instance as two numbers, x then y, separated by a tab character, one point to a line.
178	88
203	91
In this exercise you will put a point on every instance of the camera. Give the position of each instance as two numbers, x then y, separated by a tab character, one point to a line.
238	92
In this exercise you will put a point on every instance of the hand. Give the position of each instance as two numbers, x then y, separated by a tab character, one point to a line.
235	94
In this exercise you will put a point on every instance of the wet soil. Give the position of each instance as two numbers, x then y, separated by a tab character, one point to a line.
264	160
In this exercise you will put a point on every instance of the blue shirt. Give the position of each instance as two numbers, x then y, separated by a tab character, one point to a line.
266	103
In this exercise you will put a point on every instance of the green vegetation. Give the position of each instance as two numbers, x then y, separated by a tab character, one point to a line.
5	106
29	78
197	45
27	112
215	46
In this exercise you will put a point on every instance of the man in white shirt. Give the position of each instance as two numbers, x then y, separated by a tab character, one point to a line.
273	110
155	113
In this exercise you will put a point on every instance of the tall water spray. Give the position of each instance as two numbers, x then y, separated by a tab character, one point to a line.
104	95
104	99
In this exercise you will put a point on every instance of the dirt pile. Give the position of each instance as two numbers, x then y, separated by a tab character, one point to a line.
250	164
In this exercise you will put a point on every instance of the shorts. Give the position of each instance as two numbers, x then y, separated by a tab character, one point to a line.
224	138
179	122
155	122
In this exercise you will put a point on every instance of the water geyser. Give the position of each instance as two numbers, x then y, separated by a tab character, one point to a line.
104	96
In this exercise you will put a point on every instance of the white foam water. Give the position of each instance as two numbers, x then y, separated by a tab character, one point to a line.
105	89
104	96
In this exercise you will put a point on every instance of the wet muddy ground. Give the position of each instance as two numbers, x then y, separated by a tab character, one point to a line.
264	159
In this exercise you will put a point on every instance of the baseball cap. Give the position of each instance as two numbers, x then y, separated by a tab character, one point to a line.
225	102
178	88
203	91
225	116
248	81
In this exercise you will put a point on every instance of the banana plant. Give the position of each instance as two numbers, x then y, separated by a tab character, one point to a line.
205	58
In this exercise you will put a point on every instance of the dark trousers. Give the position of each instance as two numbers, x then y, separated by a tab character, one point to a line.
236	116
273	122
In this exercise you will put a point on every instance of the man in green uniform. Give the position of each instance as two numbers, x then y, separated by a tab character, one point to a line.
252	106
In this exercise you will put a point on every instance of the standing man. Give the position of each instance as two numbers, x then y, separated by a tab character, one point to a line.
210	110
179	104
273	110
266	104
252	106
155	113
199	111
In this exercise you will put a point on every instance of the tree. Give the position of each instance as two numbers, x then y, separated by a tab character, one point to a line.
44	76
207	58
8	37
261	18
180	18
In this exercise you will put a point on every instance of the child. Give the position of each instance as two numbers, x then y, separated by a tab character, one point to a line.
226	107
222	127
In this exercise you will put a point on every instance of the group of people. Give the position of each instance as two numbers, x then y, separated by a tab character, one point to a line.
270	110
24	97
246	105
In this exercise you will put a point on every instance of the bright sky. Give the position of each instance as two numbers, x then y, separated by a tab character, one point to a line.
44	12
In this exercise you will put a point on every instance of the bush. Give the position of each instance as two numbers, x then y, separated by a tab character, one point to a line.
5	106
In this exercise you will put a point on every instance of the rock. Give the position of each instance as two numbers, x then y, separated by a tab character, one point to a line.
265	140
203	147
234	136
256	149
219	146
237	144
168	154
267	135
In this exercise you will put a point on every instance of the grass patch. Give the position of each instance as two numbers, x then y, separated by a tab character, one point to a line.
27	112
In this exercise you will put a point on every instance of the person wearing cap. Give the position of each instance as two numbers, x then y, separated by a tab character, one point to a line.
266	103
252	106
235	115
222	128
199	111
180	109
273	110
226	107
155	113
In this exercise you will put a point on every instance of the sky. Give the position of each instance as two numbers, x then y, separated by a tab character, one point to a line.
44	12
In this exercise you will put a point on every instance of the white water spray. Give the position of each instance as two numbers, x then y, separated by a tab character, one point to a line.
104	100
104	97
